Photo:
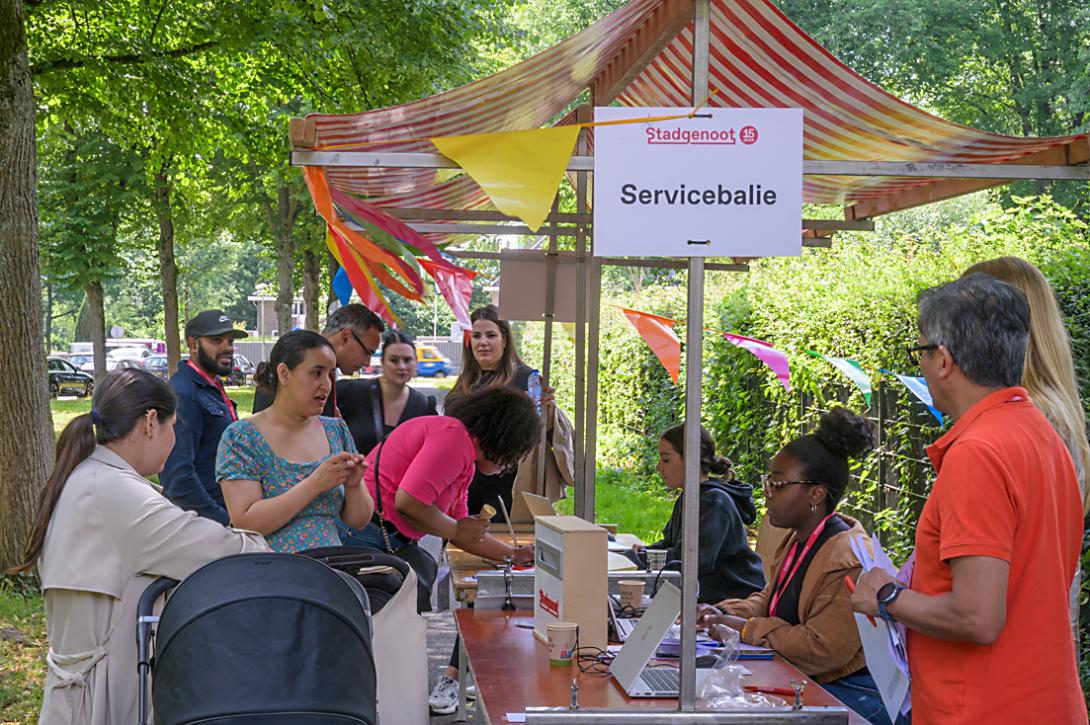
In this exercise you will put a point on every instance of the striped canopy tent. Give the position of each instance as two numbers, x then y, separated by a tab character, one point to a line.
641	55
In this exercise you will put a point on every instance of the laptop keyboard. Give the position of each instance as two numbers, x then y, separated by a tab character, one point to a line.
661	679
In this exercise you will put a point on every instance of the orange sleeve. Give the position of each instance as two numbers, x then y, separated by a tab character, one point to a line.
977	507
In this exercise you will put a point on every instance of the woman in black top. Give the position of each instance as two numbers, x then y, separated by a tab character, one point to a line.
727	567
492	359
374	407
356	398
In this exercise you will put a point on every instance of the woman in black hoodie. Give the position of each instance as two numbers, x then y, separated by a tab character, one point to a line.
727	566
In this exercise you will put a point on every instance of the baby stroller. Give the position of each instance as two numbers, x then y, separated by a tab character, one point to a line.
257	638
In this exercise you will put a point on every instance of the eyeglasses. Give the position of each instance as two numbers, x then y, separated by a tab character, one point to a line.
914	352
771	487
367	351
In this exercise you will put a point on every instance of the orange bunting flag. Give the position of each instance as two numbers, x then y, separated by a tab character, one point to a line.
658	333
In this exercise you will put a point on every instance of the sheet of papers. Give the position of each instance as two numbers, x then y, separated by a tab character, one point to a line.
884	644
628	540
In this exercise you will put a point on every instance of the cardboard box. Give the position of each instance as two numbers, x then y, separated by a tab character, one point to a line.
570	578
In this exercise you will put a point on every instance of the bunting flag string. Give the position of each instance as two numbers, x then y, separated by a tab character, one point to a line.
918	387
764	352
519	170
658	332
852	369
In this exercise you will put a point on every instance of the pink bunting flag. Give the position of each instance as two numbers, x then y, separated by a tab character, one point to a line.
456	286
767	354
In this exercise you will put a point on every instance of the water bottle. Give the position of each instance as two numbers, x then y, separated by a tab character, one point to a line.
533	387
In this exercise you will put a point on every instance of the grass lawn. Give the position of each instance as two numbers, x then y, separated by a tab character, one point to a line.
22	653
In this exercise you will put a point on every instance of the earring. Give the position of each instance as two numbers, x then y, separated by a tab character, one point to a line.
813	508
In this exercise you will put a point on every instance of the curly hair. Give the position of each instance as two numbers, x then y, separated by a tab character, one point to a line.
502	421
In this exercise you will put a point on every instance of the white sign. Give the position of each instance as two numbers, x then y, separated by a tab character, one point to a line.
726	183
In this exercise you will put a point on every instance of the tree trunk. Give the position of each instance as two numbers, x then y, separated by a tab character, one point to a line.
331	267
82	330
26	434
97	314
312	275
168	269
285	260
49	317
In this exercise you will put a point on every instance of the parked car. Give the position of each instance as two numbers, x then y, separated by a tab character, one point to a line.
430	363
83	362
127	357
242	371
157	365
64	377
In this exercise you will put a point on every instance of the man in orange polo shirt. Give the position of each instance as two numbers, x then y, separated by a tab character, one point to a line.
998	540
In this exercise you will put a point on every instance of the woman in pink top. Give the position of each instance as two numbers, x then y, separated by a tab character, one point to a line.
424	468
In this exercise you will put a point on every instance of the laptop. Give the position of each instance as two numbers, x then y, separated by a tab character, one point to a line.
629	668
538	505
623	626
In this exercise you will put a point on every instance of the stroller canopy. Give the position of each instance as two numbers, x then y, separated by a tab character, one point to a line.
265	638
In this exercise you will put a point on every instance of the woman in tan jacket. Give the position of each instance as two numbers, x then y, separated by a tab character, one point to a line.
804	613
102	533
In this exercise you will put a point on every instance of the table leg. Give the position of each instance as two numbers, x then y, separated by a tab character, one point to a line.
463	675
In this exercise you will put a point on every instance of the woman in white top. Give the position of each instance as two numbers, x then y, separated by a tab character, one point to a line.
102	533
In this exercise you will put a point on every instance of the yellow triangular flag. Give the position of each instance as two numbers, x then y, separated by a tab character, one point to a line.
520	170
569	327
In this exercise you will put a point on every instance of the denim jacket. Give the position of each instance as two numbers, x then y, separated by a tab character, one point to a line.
189	477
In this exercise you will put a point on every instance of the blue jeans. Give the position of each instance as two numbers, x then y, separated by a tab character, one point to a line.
369	537
859	692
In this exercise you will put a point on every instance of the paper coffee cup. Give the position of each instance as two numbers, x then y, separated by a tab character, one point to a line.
656	558
563	637
631	593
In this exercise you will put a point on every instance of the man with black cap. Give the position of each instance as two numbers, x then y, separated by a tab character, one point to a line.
204	412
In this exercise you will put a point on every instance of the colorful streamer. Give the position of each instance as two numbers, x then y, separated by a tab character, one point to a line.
342	286
456	286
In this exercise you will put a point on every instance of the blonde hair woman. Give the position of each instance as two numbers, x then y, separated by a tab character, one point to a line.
1049	375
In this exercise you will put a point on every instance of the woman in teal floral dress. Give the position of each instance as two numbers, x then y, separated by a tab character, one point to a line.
287	472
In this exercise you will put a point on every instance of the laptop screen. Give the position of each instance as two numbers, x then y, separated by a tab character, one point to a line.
639	647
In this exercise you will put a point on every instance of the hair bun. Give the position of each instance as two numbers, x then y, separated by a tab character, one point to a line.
846	434
721	466
263	375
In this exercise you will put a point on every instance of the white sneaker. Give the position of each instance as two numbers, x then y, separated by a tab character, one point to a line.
443	699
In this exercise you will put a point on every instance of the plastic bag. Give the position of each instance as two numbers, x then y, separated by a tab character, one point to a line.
723	688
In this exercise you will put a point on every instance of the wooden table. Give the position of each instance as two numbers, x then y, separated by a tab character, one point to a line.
512	672
464	566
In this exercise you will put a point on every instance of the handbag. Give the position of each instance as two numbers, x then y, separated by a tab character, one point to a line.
425	566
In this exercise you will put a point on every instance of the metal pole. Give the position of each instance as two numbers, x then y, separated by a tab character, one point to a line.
694	335
547	349
584	495
590	452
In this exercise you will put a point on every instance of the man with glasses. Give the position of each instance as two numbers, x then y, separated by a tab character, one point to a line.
355	333
999	537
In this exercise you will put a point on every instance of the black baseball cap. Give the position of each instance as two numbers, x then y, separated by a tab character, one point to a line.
212	323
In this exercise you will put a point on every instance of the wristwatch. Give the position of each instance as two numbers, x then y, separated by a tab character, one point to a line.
887	595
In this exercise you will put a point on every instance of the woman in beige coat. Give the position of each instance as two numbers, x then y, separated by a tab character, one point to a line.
102	533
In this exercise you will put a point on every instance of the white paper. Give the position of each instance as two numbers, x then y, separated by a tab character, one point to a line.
884	644
516	717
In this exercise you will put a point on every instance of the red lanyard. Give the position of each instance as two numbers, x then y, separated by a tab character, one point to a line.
218	386
785	578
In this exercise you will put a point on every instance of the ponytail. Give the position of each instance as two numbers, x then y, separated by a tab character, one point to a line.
124	397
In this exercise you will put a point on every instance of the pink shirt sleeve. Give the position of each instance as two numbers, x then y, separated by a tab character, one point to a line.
440	463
